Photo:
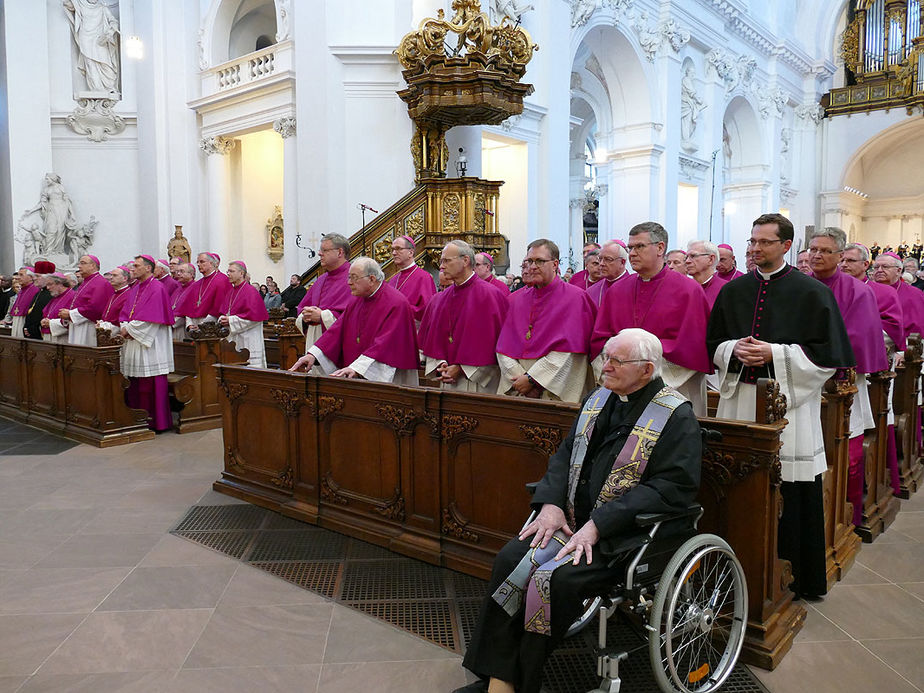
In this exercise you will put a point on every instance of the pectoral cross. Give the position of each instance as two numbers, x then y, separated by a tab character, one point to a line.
643	435
450	339
529	332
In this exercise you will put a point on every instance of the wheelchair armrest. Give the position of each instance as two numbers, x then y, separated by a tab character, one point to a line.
531	487
648	519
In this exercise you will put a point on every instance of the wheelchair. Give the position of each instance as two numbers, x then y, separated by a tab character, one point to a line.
688	590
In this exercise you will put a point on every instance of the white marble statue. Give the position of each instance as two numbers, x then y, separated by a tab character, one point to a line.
59	238
96	33
509	8
690	107
581	11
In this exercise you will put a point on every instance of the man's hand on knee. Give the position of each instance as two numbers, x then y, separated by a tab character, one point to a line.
581	543
549	520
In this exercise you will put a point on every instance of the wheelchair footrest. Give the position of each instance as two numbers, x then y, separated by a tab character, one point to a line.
608	670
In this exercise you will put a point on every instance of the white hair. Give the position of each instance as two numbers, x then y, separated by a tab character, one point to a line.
26	270
620	250
708	247
861	249
369	267
645	346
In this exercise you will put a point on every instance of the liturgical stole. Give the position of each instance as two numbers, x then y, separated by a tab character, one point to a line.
533	574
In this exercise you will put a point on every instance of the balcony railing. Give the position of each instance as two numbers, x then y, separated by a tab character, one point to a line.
248	70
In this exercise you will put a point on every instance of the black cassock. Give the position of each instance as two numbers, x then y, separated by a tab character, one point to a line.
33	321
787	308
500	647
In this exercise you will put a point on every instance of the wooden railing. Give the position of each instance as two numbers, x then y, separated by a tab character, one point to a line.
75	391
440	475
908	417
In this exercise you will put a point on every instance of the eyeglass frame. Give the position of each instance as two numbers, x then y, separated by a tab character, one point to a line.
536	262
764	242
613	361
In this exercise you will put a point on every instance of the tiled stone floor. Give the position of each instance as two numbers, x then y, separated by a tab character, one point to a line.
96	596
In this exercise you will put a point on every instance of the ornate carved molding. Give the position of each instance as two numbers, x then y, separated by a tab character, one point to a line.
290	402
393	508
402	419
545	438
652	38
455	526
105	338
217	145
771	101
286	328
452	425
285	478
95	119
727	469
331	492
691	167
234	463
234	390
285	126
811	111
776	403
327	405
209	330
581	12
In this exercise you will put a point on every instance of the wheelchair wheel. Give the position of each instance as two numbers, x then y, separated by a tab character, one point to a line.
698	617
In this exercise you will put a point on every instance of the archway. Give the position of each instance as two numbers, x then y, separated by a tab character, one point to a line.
746	190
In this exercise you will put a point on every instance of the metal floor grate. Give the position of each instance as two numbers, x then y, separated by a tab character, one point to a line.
434	603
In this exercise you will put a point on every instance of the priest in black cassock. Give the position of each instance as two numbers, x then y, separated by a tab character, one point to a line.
32	328
597	482
776	322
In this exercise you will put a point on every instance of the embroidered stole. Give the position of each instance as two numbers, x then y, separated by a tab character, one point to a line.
533	574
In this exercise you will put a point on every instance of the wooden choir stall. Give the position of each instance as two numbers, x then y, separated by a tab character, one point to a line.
74	391
440	476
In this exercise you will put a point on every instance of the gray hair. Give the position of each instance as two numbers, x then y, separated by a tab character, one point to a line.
26	270
369	267
620	249
835	234
708	247
465	250
861	249
338	241
187	268
909	259
62	280
653	229
645	346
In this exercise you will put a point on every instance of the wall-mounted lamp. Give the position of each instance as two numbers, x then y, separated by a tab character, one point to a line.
461	163
134	48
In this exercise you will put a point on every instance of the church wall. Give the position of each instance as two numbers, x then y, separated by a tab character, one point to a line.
508	160
259	189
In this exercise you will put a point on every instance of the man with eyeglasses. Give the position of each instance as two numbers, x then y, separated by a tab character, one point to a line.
665	303
778	323
587	502
373	339
613	257
414	282
579	279
856	262
484	268
887	270
542	347
864	329
702	259
327	298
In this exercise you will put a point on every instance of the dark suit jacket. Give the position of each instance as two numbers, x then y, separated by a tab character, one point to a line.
670	481
33	323
6	300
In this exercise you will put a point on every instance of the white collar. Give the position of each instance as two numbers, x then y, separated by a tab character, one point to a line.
767	275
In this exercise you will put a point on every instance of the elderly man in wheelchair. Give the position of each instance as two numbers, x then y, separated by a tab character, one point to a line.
616	507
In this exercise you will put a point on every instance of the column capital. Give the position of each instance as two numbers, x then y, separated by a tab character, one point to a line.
218	144
285	126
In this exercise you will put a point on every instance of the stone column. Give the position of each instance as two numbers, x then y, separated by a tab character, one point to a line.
295	258
218	177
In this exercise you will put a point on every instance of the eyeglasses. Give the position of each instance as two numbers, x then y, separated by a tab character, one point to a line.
885	267
822	251
849	261
613	361
690	256
763	242
355	278
538	262
637	246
